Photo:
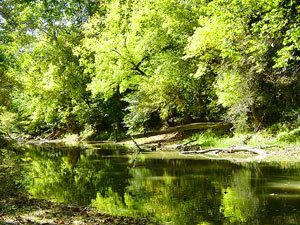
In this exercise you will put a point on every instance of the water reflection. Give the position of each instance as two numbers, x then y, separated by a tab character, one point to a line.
73	175
168	189
10	175
240	202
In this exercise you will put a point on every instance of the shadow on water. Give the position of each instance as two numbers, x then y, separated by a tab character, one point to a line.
162	186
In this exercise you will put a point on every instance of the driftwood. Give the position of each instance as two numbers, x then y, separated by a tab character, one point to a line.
252	158
186	147
234	148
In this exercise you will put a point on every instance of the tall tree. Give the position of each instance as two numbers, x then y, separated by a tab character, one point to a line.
138	48
254	49
45	33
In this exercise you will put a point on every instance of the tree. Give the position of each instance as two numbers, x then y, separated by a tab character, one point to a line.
53	92
253	48
138	48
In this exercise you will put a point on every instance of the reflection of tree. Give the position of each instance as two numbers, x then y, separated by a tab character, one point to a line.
166	193
189	193
175	191
10	174
239	202
111	202
175	198
71	175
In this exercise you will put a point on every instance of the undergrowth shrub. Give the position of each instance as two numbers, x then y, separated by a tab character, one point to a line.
290	136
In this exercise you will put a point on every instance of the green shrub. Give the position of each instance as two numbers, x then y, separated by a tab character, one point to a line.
291	136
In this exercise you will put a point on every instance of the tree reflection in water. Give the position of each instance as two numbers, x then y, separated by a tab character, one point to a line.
169	190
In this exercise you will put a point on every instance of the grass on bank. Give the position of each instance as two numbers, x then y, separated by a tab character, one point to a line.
209	139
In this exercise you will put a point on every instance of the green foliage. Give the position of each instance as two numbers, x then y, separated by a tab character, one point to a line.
138	52
290	136
274	136
134	65
8	123
252	47
208	138
53	92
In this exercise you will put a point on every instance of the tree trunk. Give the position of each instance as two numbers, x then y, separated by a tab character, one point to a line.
117	98
254	117
187	118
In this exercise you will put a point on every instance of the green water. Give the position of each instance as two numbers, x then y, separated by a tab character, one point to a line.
164	187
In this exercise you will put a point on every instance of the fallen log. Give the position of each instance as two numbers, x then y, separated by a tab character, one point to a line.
252	158
232	149
271	146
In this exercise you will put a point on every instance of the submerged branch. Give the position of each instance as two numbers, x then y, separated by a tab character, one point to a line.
140	149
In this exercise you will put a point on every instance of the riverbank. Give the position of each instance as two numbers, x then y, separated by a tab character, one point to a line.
287	144
284	145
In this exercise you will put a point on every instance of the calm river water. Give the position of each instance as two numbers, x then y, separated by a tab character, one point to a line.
164	186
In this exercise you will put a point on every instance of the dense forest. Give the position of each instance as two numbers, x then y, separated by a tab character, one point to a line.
110	67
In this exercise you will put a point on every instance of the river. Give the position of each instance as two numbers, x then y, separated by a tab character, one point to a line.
162	186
